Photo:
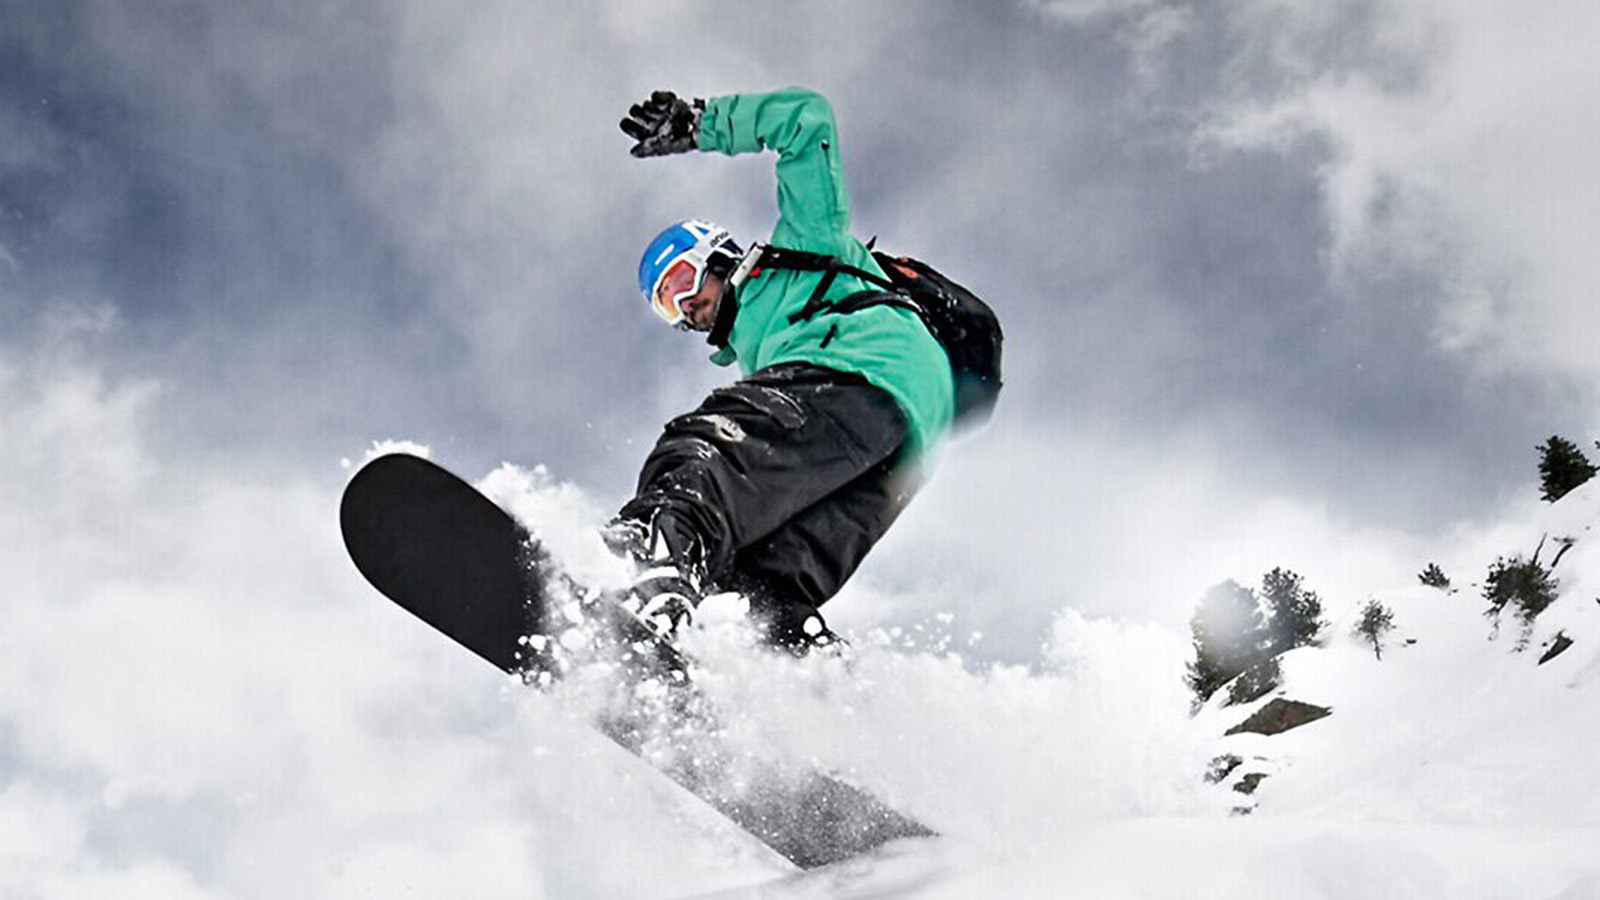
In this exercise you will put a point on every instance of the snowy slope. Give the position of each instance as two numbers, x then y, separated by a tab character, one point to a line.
1455	766
1458	727
253	721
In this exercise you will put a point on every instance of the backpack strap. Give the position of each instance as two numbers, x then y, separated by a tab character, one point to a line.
830	266
863	299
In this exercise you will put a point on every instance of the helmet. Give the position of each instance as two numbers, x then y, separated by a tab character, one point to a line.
674	265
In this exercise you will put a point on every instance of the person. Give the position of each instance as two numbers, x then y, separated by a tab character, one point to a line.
779	484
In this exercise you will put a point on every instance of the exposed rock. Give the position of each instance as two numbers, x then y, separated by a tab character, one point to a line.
1249	783
1222	767
1279	716
1556	647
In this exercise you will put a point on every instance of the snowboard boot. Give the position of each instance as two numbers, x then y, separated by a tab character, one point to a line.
803	632
783	621
667	588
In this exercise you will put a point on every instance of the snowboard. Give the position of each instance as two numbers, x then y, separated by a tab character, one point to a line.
439	548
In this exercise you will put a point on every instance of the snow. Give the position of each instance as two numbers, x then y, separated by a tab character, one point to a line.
199	697
1458	727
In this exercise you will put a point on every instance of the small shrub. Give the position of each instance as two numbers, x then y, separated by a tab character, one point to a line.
1376	622
1433	576
1521	584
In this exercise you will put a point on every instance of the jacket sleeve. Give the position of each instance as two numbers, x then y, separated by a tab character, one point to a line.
813	205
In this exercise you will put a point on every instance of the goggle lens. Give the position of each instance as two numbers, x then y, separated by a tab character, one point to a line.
680	281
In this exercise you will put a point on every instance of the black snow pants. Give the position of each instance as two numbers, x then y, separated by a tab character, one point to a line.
781	482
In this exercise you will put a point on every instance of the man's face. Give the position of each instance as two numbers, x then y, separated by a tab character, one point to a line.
700	311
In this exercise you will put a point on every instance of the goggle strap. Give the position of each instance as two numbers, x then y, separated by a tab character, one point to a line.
746	266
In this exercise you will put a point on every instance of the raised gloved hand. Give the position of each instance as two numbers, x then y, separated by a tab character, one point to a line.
664	124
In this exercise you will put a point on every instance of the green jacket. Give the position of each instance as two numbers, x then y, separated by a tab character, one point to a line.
889	347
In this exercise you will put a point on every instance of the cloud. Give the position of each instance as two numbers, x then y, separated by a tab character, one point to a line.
1455	146
1082	11
51	399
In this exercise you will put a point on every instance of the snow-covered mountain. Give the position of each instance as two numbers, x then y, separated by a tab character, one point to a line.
1453	723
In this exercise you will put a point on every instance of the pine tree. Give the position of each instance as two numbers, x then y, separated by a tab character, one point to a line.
1230	635
1376	622
1295	613
1562	467
1255	682
1433	576
1522	584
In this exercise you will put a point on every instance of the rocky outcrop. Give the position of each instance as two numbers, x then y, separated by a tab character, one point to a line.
1222	767
1280	715
1556	647
1249	783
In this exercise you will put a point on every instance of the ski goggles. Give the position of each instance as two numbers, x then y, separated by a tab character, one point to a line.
677	283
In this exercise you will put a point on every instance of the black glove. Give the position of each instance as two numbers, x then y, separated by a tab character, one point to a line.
664	124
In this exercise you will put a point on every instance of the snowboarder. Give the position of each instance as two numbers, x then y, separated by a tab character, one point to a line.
777	485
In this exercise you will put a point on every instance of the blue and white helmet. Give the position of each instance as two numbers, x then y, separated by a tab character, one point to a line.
674	265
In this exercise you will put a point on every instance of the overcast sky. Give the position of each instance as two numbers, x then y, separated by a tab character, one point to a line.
1273	268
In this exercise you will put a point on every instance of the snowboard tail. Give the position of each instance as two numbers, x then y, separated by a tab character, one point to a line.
438	547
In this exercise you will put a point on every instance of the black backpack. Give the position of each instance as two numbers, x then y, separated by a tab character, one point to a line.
964	325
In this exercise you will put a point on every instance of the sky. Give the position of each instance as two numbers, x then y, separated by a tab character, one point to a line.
1274	277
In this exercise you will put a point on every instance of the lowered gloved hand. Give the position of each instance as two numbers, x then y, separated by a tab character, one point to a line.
664	124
